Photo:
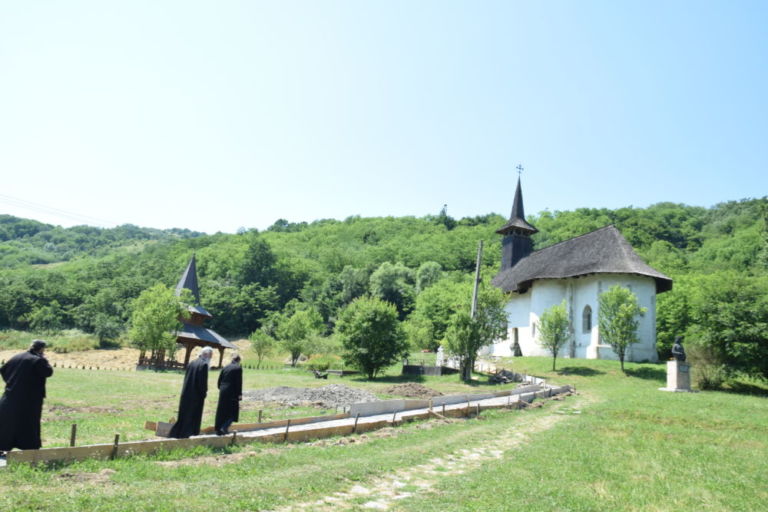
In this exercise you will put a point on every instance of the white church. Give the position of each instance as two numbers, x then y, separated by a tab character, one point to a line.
577	270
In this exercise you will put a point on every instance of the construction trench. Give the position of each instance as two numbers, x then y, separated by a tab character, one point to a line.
360	418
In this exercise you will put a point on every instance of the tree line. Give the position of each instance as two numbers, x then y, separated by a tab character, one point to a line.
256	281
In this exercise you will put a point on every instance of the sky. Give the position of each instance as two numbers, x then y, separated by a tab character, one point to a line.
216	116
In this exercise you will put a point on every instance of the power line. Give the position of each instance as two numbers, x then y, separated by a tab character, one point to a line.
56	212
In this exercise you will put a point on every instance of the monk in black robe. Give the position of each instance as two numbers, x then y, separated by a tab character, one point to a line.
21	406
193	393
230	393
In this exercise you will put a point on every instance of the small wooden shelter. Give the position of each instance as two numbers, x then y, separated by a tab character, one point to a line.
193	333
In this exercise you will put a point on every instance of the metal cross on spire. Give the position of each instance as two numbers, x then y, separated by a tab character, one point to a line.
520	169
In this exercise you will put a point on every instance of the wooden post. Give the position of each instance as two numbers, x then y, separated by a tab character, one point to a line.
73	435
394	417
187	354
114	447
259	416
354	429
443	409
234	436
287	426
221	357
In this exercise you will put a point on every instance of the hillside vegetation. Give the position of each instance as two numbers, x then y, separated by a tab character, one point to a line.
717	257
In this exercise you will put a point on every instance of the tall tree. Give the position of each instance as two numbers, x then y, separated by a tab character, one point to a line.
155	318
618	319
554	329
297	330
371	335
466	335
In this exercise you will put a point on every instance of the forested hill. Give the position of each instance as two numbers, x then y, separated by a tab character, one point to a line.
29	242
325	264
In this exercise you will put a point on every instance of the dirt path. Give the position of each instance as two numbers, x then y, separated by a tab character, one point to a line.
382	493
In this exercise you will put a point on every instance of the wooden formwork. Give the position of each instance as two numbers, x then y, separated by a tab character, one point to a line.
117	450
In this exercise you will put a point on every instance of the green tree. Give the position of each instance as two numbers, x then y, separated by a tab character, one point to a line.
427	324
262	344
155	318
46	318
394	284
618	319
371	335
106	328
428	274
554	329
730	317
466	335
297	330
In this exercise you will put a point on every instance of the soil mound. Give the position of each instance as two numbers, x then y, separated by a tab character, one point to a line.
331	396
412	390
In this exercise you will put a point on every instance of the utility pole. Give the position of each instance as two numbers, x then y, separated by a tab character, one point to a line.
473	311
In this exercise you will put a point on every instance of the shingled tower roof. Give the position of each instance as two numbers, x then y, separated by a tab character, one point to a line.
604	251
517	218
189	281
192	332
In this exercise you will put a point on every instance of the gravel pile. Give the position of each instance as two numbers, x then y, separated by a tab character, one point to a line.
331	396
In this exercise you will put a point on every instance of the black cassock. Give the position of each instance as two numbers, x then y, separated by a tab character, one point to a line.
230	390
193	393
22	403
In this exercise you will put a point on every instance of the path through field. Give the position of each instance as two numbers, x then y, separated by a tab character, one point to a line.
382	493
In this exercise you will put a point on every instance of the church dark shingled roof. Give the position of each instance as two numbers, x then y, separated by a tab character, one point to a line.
604	251
517	217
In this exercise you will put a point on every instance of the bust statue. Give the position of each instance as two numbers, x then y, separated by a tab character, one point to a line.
677	349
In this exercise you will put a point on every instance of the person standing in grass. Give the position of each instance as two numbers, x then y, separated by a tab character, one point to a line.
21	406
230	393
193	393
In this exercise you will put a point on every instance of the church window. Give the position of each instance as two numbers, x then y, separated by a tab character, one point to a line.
586	319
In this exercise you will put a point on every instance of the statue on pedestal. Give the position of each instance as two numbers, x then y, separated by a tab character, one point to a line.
677	349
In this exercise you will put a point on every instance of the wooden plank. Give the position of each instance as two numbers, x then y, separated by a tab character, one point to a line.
246	427
104	451
150	425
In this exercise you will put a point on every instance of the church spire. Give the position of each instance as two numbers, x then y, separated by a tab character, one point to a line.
517	218
189	280
516	243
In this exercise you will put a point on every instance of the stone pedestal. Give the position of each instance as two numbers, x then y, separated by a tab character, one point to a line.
678	376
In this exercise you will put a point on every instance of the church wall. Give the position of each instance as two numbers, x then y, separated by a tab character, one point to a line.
645	290
524	310
517	309
544	294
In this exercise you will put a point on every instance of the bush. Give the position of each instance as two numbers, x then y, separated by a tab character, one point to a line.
72	340
324	362
709	372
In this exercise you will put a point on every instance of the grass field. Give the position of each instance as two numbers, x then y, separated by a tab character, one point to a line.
620	444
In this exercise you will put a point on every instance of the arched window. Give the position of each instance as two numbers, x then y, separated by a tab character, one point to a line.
586	319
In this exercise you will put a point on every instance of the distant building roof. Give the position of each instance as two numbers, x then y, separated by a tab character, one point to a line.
604	251
205	336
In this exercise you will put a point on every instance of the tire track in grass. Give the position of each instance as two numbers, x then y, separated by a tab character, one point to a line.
382	493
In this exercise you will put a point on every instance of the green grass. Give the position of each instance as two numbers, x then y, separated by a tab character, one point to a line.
61	342
105	403
620	445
